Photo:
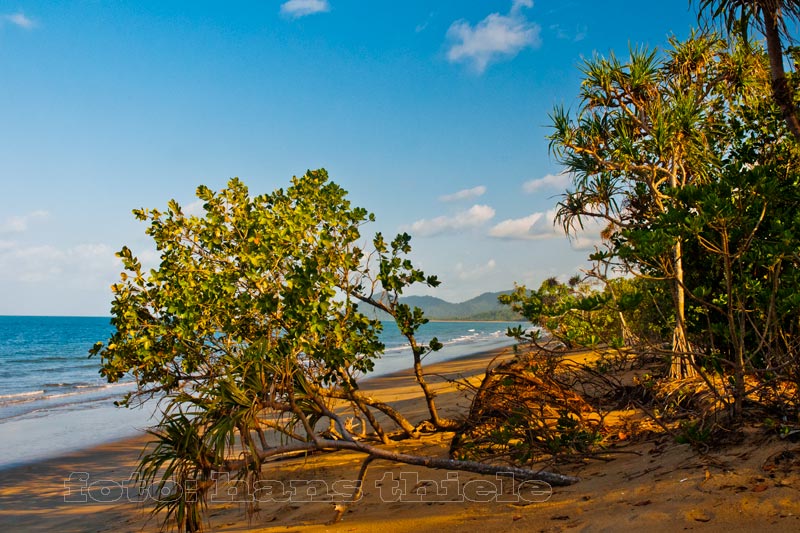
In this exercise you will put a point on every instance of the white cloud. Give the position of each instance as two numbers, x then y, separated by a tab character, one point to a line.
57	279
464	194
559	31
194	209
588	237
475	216
19	19
494	37
302	8
551	181
517	5
150	258
534	226
538	226
585	242
475	273
20	223
79	265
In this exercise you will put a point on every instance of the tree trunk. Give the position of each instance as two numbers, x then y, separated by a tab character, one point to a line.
736	314
628	338
439	422
682	366
781	91
359	398
438	463
419	375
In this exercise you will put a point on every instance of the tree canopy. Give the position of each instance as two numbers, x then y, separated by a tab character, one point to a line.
265	277
688	158
250	334
648	127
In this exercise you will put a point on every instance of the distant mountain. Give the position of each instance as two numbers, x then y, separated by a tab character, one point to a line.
483	307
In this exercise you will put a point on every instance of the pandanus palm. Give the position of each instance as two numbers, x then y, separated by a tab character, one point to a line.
770	18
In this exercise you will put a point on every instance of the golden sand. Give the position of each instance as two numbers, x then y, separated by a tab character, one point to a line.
654	486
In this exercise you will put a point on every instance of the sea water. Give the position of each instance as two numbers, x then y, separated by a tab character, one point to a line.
53	399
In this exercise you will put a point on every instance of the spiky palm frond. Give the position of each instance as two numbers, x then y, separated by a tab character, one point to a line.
739	15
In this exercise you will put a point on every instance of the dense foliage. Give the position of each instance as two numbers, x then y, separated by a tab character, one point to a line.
688	160
263	278
252	310
252	335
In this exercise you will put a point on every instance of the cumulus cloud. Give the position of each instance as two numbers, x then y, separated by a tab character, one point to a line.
20	223
496	36
79	265
551	181
19	19
466	274
302	8
585	241
516	5
534	226
473	217
537	226
57	279
464	194
588	237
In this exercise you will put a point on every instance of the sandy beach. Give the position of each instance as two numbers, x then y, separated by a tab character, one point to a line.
655	485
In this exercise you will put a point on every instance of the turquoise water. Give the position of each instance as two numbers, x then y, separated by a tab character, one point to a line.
52	398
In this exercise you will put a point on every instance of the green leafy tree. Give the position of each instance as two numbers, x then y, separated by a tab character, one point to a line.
574	313
690	160
646	128
742	225
251	335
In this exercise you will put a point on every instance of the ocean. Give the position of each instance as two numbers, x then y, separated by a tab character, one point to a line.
52	399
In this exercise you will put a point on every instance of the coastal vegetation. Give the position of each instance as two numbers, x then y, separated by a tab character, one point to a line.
689	159
251	335
254	331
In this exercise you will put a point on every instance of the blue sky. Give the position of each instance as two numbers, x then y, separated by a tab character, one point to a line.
432	114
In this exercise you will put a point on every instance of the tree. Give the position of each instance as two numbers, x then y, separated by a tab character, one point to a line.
250	334
742	227
573	313
647	128
768	17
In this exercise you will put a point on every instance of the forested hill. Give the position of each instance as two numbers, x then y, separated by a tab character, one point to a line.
483	307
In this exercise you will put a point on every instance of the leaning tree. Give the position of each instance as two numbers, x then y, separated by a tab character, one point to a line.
252	333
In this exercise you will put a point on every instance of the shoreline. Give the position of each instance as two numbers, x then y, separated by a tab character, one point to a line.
655	485
84	429
32	494
50	430
371	382
468	321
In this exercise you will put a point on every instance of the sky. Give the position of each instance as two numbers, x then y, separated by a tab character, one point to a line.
433	115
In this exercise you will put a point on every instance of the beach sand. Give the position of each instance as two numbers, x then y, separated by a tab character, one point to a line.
654	485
